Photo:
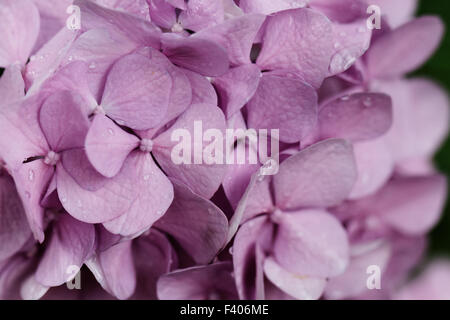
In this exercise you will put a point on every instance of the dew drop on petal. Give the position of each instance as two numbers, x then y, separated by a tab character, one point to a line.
30	175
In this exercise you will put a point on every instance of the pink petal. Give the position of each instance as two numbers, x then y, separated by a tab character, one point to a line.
181	93
375	166
237	87
297	286
162	13
297	250
431	284
212	282
71	244
396	12
138	30
195	54
351	41
202	90
412	205
64	121
353	281
53	17
107	146
22	139
204	179
343	11
48	59
138	8
19	29
99	49
321	175
180	4
101	205
152	196
358	117
154	256
421	113
248	263
268	6
200	14
391	55
72	77
308	52
12	85
202	240
236	35
137	92
14	229
284	103
117	270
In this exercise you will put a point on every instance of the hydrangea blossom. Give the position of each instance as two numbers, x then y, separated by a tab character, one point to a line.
94	92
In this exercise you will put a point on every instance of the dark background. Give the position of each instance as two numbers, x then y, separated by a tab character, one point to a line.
438	68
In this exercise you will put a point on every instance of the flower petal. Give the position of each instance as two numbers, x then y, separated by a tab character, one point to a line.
321	175
203	239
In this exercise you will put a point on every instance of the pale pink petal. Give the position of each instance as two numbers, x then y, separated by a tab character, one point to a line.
195	54
203	239
12	85
200	14
297	249
236	35
300	40
391	55
237	87
358	117
211	282
319	176
19	29
14	229
283	103
270	6
152	196
297	286
107	145
72	242
137	92
203	178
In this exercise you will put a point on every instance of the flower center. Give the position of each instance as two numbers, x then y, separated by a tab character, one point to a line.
99	110
177	28
276	215
51	158
146	145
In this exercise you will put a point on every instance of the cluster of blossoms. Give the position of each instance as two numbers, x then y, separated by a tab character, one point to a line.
88	183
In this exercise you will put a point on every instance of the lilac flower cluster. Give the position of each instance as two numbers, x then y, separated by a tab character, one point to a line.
93	91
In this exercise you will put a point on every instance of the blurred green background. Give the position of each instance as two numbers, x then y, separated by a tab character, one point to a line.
438	68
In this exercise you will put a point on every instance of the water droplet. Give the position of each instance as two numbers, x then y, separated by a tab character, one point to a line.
147	177
27	194
367	102
92	66
63	199
361	29
111	131
230	250
345	98
337	45
70	58
32	58
79	204
30	175
159	212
